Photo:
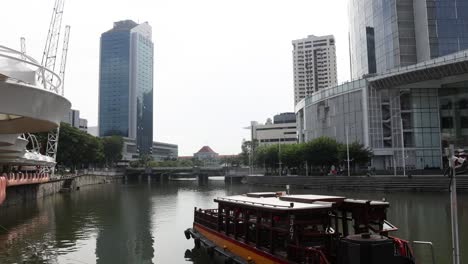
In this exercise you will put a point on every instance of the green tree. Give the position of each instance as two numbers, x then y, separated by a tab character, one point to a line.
292	156
112	147
267	157
232	161
145	161
358	154
78	149
321	152
185	163
248	147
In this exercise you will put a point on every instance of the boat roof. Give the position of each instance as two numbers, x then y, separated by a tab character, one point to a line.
279	201
273	203
311	198
261	194
357	201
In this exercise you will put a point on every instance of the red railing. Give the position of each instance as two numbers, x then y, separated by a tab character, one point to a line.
25	178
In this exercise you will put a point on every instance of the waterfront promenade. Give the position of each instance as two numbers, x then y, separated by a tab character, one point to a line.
365	183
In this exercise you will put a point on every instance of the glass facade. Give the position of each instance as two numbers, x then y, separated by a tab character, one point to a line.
144	92
409	113
332	111
114	81
448	26
386	34
381	35
414	124
453	103
126	83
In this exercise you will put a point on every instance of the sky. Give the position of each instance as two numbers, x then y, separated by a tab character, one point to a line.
218	64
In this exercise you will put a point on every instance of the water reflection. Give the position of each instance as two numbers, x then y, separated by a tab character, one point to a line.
124	234
144	223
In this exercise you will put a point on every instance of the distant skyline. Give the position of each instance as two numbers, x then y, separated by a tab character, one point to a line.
217	65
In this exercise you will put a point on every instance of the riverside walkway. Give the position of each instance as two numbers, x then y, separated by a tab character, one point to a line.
373	183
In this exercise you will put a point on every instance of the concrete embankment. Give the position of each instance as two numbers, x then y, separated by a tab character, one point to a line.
24	193
377	183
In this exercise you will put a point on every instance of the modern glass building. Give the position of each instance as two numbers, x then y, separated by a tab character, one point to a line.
385	34
407	115
126	83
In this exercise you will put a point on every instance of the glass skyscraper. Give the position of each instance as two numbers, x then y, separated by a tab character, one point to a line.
386	34
126	83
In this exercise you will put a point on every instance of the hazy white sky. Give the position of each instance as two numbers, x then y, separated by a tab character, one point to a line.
218	64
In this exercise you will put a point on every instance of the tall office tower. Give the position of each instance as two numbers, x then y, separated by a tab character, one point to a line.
314	65
393	33
126	83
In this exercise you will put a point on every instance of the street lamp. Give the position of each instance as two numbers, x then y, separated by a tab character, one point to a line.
401	135
402	145
252	144
279	154
347	150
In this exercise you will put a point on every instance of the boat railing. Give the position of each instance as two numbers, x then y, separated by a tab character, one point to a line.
308	255
207	217
431	247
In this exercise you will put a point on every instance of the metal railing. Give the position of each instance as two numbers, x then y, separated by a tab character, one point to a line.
454	57
40	71
207	217
426	243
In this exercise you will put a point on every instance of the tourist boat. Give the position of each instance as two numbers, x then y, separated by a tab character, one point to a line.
316	229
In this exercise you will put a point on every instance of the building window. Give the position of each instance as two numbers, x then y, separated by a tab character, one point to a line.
447	122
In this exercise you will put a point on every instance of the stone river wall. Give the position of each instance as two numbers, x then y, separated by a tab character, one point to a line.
23	193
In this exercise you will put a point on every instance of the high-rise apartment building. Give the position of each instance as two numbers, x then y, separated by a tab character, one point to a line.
314	60
126	83
394	33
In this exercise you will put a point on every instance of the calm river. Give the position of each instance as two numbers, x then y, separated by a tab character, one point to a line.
144	223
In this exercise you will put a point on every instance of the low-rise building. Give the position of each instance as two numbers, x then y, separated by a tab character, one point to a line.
281	130
164	151
93	131
160	151
73	118
207	156
129	149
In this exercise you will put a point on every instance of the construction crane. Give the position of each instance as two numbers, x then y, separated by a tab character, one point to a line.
49	59
49	56
53	136
63	61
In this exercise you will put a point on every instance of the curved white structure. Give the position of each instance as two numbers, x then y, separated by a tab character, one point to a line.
29	103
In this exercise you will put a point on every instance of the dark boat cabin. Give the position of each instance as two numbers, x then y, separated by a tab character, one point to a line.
297	228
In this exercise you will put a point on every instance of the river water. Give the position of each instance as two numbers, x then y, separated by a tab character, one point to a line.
144	223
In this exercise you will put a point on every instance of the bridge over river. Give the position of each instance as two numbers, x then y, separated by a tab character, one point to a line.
201	173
